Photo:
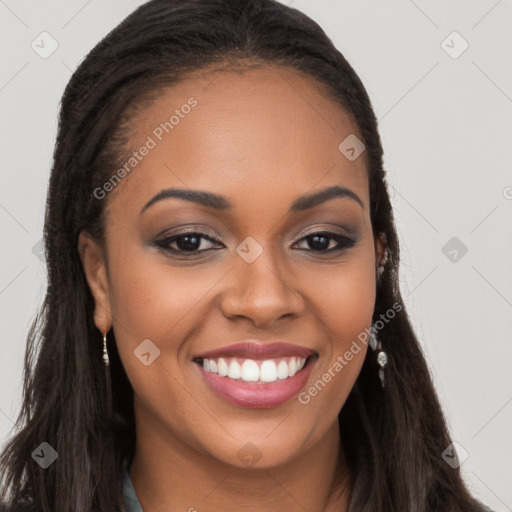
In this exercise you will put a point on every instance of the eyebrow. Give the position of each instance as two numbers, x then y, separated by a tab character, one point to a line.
218	202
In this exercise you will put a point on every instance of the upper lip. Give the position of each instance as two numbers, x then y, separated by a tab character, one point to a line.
256	349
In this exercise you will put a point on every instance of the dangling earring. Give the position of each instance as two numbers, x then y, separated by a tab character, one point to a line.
105	352
382	264
382	358
108	382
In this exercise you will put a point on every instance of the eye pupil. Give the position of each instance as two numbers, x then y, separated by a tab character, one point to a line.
315	244
191	242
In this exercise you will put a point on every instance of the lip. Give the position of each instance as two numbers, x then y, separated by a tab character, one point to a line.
258	350
262	395
256	394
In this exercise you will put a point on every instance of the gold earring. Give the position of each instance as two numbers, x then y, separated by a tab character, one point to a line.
105	352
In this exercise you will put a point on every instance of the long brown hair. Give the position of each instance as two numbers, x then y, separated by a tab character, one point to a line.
393	437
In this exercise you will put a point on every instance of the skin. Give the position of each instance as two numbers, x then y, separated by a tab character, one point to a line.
262	138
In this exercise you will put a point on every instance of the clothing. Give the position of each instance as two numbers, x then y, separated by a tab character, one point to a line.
131	501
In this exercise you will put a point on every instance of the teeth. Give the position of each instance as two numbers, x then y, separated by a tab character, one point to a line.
268	371
249	370
292	367
282	370
235	371
222	367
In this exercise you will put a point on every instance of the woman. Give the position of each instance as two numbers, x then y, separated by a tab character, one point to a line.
223	327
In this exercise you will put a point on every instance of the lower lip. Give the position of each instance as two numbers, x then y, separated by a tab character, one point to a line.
255	395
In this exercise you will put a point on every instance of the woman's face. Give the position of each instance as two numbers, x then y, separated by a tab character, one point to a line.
257	145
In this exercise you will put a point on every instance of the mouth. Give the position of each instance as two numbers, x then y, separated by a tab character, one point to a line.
250	370
255	375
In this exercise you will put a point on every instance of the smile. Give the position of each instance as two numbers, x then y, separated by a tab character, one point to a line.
257	375
250	370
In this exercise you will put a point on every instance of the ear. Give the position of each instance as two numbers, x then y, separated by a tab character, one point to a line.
380	248
95	269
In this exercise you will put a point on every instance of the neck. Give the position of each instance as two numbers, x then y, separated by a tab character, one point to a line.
168	474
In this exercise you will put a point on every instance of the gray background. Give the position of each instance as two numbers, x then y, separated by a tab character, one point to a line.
446	128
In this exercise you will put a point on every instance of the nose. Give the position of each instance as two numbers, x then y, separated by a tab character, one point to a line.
260	292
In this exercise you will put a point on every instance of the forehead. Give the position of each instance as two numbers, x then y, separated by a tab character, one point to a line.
267	133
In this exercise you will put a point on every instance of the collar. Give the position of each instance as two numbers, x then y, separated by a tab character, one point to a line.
130	498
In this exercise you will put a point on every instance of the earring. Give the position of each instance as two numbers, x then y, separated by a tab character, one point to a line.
382	264
108	382
105	352
382	358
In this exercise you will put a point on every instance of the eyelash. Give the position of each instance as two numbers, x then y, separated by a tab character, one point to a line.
344	242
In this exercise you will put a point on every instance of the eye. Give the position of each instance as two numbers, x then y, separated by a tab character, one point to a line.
191	242
187	242
320	241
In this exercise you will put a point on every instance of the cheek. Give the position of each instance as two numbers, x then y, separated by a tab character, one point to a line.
343	301
343	296
151	299
161	303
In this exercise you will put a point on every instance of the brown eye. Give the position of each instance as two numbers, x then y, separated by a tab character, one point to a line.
187	242
321	241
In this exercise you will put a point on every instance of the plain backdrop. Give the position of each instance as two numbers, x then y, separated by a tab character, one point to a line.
440	79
